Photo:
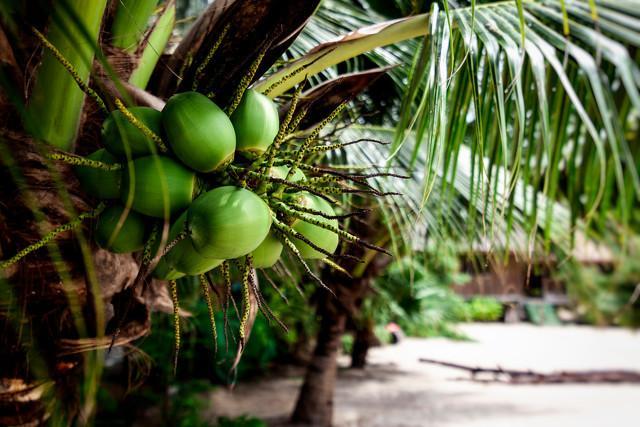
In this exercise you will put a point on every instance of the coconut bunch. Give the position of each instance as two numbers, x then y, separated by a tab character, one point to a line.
197	185
232	183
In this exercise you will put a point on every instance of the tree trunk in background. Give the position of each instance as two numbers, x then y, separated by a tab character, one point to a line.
364	339
315	403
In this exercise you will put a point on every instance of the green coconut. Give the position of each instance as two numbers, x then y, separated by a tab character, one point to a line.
199	132
256	122
144	178
228	222
128	237
165	272
268	253
100	183
118	133
183	257
323	238
282	171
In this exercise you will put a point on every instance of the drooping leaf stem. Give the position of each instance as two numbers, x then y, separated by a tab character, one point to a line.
320	213
246	300
204	284
173	288
284	126
141	126
336	267
286	77
292	248
209	57
52	235
246	80
74	159
224	267
312	138
345	235
290	232
147	255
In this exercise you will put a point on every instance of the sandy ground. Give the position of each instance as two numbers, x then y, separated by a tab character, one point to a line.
396	390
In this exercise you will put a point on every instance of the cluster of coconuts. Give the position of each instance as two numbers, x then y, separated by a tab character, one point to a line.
188	185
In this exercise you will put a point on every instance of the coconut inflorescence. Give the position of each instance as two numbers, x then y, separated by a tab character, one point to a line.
198	186
239	183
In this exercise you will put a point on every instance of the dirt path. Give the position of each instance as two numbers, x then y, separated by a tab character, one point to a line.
396	390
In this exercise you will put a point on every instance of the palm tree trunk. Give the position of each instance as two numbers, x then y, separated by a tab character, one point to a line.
315	402
364	339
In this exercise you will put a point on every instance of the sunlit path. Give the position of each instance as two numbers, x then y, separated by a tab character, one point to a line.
397	390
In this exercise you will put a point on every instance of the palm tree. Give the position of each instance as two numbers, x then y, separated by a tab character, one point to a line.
516	115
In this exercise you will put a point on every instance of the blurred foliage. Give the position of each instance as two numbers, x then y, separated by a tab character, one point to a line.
607	294
179	397
417	294
483	309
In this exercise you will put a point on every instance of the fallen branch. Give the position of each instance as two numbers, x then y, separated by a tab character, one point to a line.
531	377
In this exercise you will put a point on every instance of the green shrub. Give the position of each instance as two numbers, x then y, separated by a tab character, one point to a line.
484	309
417	294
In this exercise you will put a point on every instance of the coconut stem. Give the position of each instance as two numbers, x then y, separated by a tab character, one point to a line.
71	70
294	73
300	187
275	147
266	178
324	179
209	57
307	142
181	236
51	235
289	244
338	146
246	301
285	229
147	256
336	267
246	80
183	68
74	159
227	288
344	235
141	126
345	175
296	121
262	304
173	286
212	317
318	212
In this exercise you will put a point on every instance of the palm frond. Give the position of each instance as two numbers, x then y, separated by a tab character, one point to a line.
545	92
